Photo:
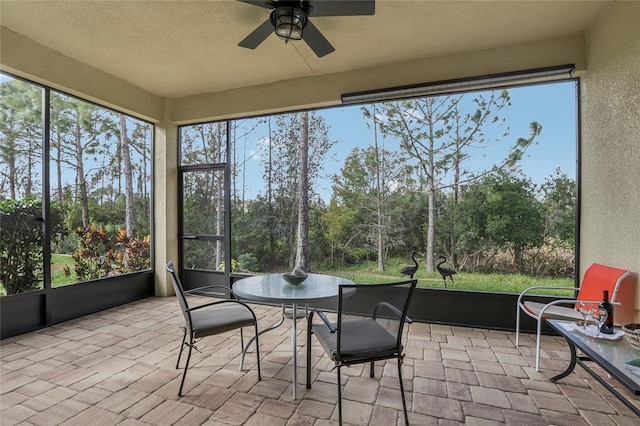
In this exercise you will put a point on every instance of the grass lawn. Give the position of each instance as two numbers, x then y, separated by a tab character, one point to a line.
58	277
499	283
58	262
368	273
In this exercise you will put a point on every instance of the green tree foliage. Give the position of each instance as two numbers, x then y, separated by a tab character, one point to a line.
368	199
467	221
20	141
559	207
267	225
86	125
21	253
440	133
247	262
331	219
413	212
251	233
203	193
500	225
91	179
380	203
513	215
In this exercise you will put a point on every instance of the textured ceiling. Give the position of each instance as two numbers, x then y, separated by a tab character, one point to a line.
181	48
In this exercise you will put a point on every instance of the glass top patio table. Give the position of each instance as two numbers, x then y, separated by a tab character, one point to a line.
610	355
272	288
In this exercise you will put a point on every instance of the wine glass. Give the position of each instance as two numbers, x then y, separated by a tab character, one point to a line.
599	318
587	313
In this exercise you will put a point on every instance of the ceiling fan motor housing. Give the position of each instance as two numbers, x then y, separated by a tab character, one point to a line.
288	19
289	22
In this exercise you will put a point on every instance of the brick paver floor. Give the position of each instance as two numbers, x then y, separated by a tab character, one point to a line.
117	367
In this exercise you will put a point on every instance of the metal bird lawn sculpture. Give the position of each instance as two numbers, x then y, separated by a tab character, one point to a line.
444	271
410	270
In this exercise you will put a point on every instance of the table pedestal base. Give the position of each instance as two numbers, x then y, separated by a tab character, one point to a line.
291	314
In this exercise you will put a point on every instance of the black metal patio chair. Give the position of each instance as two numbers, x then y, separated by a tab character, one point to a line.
370	320
210	319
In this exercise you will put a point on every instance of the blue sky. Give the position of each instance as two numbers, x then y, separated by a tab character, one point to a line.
551	105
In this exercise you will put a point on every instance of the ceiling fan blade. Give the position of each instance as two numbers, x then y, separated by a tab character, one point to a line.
341	7
316	41
258	35
260	3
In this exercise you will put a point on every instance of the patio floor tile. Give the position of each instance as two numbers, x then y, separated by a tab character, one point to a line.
117	367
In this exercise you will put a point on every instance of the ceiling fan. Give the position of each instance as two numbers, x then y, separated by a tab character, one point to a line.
290	20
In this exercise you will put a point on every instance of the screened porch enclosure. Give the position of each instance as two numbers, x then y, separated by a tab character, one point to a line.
597	37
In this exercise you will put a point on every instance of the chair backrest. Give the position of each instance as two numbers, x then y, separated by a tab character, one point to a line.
356	301
177	286
598	278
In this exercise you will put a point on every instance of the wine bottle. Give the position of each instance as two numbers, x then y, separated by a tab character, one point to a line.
607	327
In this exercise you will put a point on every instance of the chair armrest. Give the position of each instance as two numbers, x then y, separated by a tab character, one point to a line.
595	302
574	301
388	306
197	291
326	321
549	305
569	302
219	302
547	287
393	309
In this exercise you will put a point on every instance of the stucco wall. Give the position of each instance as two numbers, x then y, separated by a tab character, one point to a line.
610	174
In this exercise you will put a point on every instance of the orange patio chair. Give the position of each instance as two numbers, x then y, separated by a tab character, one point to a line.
597	278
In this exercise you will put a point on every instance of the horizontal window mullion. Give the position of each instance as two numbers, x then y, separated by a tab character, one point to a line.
197	167
204	237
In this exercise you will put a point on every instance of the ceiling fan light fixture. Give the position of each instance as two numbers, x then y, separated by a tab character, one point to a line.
289	22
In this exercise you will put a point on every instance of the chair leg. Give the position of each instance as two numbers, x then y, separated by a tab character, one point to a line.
186	365
184	338
339	397
538	333
309	333
372	372
404	401
517	324
257	351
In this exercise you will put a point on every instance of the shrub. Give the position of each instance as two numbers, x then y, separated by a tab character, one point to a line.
96	257
248	262
21	242
234	266
135	254
101	255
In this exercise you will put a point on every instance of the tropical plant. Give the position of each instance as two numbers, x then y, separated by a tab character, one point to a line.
96	257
